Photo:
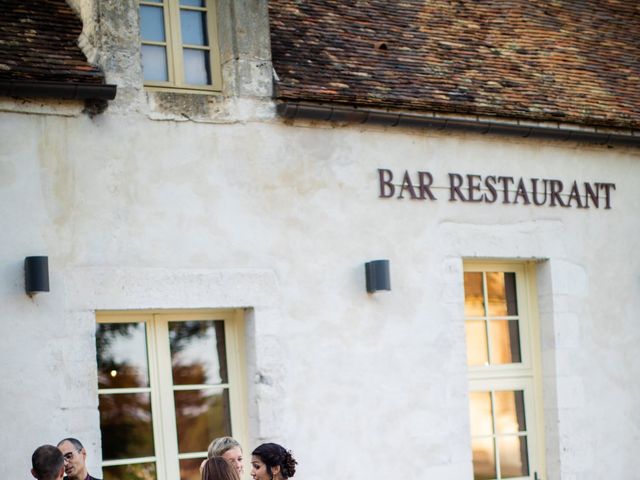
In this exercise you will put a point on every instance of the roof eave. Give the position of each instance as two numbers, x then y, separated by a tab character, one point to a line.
60	90
309	111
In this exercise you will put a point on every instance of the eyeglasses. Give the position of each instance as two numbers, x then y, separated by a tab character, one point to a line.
69	455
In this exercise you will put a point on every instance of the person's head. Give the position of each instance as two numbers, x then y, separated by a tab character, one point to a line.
217	468
229	449
48	463
271	461
74	458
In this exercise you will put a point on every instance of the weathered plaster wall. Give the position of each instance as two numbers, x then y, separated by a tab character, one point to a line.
136	213
183	201
110	39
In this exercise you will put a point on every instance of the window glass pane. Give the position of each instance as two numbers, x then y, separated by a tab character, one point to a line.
125	423
200	416
193	27
192	3
198	352
476	332
136	471
484	459
152	23
513	456
501	292
473	298
154	63
190	468
509	411
480	413
505	341
122	355
196	67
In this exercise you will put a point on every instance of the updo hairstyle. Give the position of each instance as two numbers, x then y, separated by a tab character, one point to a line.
274	455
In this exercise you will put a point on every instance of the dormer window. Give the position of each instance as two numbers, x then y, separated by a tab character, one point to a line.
180	45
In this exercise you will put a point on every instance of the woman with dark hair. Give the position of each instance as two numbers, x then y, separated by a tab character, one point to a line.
271	461
217	468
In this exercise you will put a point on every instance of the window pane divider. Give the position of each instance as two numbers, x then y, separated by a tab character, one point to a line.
186	456
221	386
125	390
155	43
127	461
165	397
192	46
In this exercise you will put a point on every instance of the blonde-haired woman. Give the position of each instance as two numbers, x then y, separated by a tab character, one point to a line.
227	448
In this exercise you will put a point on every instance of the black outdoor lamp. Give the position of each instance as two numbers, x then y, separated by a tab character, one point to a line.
377	275
36	275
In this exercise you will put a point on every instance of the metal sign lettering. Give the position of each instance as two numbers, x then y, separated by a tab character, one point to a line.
492	188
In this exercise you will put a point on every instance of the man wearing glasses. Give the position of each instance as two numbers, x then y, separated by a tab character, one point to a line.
74	459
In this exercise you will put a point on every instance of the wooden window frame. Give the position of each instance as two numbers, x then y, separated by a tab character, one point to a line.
173	44
526	375
160	387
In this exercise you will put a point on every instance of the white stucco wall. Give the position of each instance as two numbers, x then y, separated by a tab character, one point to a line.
135	213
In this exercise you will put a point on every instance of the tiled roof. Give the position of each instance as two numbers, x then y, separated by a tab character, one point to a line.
543	60
39	43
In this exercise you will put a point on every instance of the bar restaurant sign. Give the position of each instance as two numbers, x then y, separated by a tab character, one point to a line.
493	188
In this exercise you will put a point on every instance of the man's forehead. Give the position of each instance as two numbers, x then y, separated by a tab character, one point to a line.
66	446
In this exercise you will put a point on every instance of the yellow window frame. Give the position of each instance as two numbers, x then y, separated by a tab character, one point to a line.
526	376
174	46
160	376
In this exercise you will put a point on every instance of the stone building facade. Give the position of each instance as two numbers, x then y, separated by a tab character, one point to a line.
239	221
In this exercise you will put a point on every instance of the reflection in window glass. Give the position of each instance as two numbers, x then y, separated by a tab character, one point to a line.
136	471
200	416
509	406
152	24
196	67
498	418
512	451
121	350
125	422
194	27
495	332
198	352
480	413
190	468
505	341
501	292
476	333
183	402
177	45
154	63
484	459
473	296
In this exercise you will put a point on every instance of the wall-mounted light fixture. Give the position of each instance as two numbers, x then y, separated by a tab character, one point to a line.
377	275
36	274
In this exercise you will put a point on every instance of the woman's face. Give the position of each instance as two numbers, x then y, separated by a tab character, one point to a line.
259	469
234	457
